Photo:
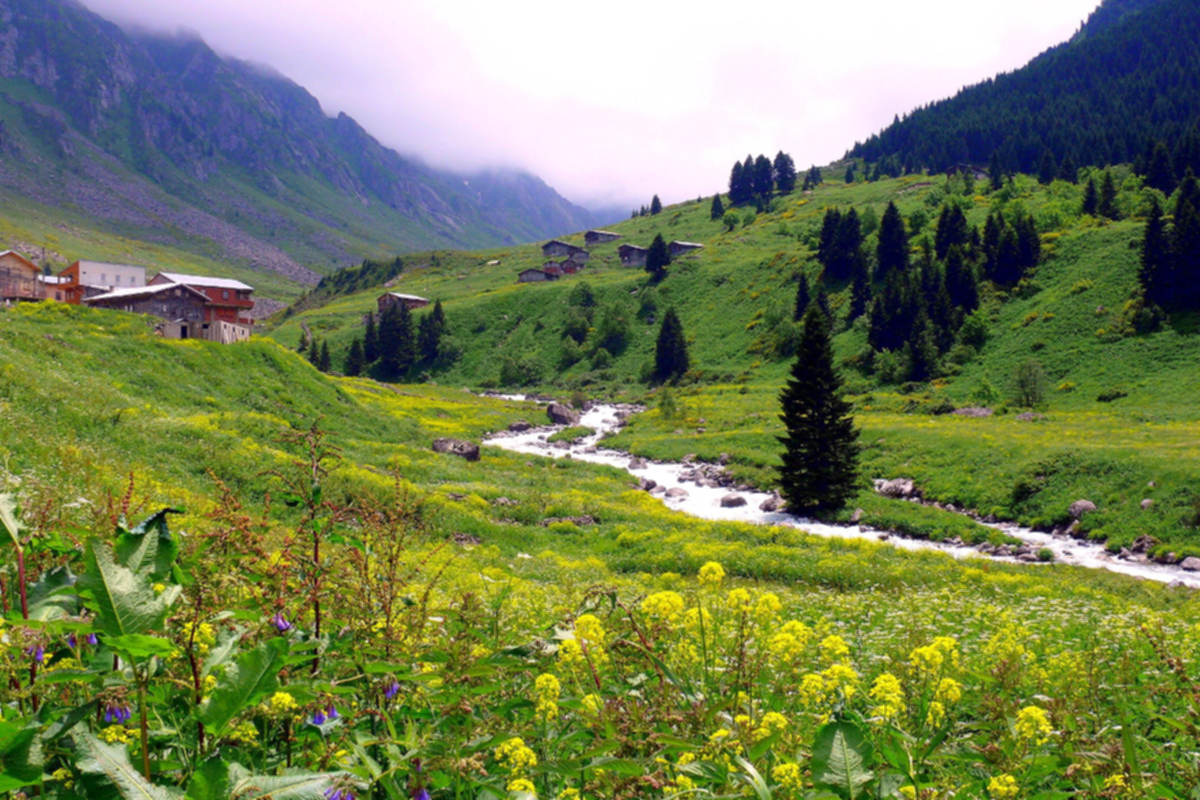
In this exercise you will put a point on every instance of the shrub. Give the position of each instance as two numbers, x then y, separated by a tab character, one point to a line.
601	359
1109	395
519	372
1029	384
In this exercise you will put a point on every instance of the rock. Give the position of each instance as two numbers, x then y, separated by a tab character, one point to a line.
1075	530
897	487
991	519
689	458
883	537
723	459
466	538
733	501
588	405
972	412
1143	543
1191	564
1028	558
562	415
772	503
1124	555
637	463
1150	485
702	421
504	501
709	483
857	516
658	490
586	519
1081	507
1147	503
520	426
676	492
1166	558
1003	550
1030	416
1023	550
646	484
457	447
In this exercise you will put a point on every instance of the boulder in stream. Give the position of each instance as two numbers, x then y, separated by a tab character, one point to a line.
457	447
733	501
520	426
676	492
772	503
1191	564
562	415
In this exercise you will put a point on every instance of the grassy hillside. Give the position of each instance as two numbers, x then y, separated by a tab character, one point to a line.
1117	416
99	417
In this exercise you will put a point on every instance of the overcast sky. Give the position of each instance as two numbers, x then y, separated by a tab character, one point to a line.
610	102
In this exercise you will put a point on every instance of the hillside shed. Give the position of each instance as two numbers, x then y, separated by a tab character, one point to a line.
19	277
535	276
678	248
632	255
410	301
600	237
559	249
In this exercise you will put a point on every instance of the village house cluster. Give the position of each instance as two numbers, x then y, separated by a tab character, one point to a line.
190	306
574	257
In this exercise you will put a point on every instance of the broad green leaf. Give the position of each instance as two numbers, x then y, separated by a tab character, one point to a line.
138	646
841	760
20	756
106	766
124	602
63	724
53	596
292	785
210	781
149	549
750	775
251	676
8	519
221	652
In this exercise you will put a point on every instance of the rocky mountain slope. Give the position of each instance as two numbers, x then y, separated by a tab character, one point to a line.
164	140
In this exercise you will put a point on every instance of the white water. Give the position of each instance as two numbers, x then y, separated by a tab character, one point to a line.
705	502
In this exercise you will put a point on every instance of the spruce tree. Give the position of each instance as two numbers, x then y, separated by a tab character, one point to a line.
1067	170
1008	259
314	352
718	208
406	340
952	230
735	185
429	334
850	173
803	298
1189	191
847	248
785	173
1156	274
1091	199
1029	243
658	258
1107	206
397	345
1047	169
820	450
891	254
992	230
996	172
1187	257
1159	172
302	348
324	363
860	291
960	281
354	359
655	206
827	241
764	179
371	341
671	360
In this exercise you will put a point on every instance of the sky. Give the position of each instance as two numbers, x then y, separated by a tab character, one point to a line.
612	102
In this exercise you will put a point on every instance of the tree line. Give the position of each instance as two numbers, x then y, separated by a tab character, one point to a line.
391	344
757	180
1169	273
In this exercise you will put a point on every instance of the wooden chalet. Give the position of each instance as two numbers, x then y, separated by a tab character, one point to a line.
409	301
19	278
560	249
678	248
186	312
534	275
600	237
228	300
632	255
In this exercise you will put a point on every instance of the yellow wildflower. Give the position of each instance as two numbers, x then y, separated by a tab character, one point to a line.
64	777
909	792
203	636
772	723
834	649
245	733
767	607
592	705
948	691
569	794
738	599
789	776
886	691
159	588
812	690
589	630
788	643
1003	787
1116	784
282	703
515	757
521	785
840	677
115	734
936	715
1033	725
547	689
711	574
663	605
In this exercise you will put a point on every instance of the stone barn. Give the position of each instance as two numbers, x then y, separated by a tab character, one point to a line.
600	237
559	249
410	301
632	255
678	248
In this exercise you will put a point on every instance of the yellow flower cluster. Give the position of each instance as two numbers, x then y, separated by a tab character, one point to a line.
1116	785
205	636
711	574
1033	725
929	660
569	794
592	705
521	785
767	608
789	776
515	757
948	691
788	643
888	693
772	723
116	734
738	600
663	605
281	703
589	630
547	689
1003	787
244	733
834	649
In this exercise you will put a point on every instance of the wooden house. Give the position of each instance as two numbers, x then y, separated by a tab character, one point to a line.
559	249
534	275
600	237
409	301
632	255
19	278
678	248
186	312
228	300
91	278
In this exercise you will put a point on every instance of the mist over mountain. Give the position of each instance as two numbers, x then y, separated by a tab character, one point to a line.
161	138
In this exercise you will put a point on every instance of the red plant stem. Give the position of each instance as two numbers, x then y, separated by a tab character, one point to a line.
145	732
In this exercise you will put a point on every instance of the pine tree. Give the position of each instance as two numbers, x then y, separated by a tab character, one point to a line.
960	281
860	291
735	185
785	173
1156	273
324	363
655	206
302	348
397	348
813	179
314	352
658	258
1187	257
1159	172
846	250
429	334
803	298
1189	191
992	230
922	351
1067	170
952	230
1008	259
1047	169
996	172
718	208
827	241
670	354
891	254
1029	243
764	178
850	173
820	456
1091	199
354	359
1107	206
371	341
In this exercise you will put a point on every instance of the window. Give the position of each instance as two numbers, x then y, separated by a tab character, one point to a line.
103	277
116	279
224	294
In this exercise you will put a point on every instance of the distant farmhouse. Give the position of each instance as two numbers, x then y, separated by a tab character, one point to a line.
558	249
679	248
191	306
632	255
91	278
409	301
19	278
600	237
534	275
978	173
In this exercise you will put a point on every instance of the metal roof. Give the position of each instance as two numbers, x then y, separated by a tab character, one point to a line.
204	280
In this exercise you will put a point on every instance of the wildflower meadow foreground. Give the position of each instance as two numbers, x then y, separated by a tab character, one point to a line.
354	653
